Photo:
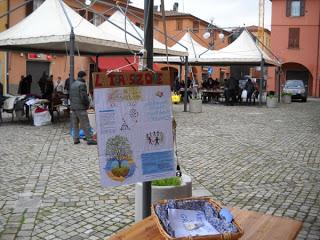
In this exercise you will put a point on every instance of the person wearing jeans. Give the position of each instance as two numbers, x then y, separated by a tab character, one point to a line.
79	103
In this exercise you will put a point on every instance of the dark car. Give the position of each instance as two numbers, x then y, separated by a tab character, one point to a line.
296	88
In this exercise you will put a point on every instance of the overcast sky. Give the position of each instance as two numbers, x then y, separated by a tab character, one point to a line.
226	13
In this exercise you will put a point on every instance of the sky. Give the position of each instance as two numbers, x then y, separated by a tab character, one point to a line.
225	13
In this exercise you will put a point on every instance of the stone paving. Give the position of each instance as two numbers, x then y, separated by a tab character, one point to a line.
251	157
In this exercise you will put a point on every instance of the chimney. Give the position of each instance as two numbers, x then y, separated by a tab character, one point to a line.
175	6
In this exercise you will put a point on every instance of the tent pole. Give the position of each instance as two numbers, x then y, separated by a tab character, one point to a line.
148	45
185	97
72	38
278	82
261	81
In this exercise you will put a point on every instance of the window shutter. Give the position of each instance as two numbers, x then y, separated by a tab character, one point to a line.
302	7
297	37
90	16
294	36
29	8
288	8
179	24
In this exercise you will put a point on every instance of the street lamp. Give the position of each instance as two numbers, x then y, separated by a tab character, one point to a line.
210	33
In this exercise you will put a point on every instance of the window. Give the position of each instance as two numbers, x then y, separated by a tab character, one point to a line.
179	25
195	26
82	13
294	35
295	8
33	5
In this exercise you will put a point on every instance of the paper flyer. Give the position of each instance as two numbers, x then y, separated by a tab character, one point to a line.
134	130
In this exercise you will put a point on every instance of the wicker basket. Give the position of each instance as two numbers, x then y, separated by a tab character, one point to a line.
225	236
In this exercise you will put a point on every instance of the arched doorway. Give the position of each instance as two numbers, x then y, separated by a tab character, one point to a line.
293	70
173	73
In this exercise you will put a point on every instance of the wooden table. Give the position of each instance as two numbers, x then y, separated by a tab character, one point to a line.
209	94
256	226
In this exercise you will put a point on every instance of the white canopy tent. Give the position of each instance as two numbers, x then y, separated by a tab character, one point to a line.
118	22
243	50
47	30
194	50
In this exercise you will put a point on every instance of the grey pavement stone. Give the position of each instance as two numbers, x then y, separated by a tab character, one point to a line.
249	157
8	237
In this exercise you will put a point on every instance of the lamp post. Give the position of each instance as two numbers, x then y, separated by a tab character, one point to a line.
210	33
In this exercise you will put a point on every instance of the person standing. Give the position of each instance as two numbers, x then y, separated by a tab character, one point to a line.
79	103
232	88
48	94
23	85
28	83
59	86
42	82
250	89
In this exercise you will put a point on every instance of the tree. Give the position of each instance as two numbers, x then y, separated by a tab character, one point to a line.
118	148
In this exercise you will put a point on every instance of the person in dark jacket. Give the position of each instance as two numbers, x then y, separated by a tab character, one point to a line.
42	82
232	88
23	85
28	83
250	89
79	103
2	98
48	94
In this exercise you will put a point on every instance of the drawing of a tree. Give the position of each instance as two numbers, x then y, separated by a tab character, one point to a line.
118	148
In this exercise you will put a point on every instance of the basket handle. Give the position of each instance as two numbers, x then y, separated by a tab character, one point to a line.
226	236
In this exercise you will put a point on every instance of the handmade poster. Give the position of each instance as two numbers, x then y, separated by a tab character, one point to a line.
187	223
134	131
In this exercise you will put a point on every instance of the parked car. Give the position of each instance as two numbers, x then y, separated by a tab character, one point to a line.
297	89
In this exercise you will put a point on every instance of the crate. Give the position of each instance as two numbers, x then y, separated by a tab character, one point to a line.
191	204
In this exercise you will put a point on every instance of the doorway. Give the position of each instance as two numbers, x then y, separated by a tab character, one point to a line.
36	69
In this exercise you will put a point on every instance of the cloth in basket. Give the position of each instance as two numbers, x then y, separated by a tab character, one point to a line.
211	211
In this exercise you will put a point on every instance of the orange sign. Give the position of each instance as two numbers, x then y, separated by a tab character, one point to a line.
124	79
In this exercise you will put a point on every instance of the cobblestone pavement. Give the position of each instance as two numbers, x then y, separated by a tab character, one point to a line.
260	159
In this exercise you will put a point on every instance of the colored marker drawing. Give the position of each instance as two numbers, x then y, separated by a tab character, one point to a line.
119	165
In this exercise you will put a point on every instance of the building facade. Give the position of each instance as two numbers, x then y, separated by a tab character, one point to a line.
295	39
3	55
177	24
24	63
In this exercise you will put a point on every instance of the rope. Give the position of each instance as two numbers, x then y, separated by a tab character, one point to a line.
165	31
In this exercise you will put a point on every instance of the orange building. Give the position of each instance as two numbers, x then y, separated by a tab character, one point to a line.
22	63
177	24
295	39
3	56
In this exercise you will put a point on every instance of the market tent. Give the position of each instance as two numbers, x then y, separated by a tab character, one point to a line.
194	50
243	50
127	32
47	30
